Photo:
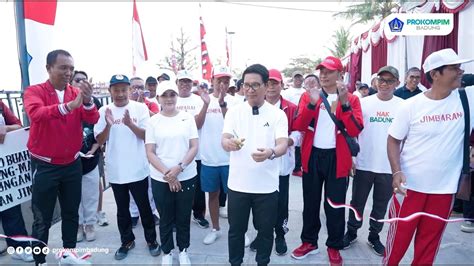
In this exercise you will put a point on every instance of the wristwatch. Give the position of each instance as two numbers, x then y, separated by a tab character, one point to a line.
273	155
182	166
223	105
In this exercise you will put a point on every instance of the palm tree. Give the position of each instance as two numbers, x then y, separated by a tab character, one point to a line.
341	42
369	10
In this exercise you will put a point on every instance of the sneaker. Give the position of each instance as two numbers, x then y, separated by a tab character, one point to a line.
223	212
80	233
298	173
467	227
184	258
376	246
90	232
167	259
201	222
253	245
102	219
135	221
23	256
154	249
280	246
335	258
156	219
304	250
68	257
212	237
122	252
247	241
349	239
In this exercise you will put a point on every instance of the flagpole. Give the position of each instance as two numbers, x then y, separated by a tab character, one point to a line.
21	40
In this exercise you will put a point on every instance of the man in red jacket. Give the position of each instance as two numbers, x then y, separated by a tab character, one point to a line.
326	158
56	111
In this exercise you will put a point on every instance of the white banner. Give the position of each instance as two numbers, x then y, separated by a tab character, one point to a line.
420	24
15	170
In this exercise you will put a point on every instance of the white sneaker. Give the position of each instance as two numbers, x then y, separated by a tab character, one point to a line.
184	258
90	232
247	241
68	257
467	227
102	219
223	212
212	237
80	233
167	259
23	256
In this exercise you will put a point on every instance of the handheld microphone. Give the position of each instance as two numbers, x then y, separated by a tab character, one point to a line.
255	110
467	80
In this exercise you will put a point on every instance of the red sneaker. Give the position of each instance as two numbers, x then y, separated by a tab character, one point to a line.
298	173
304	250
335	258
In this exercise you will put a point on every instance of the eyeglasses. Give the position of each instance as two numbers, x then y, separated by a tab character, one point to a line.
254	86
386	81
414	77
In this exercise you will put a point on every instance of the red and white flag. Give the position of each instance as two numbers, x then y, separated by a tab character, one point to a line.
205	60
139	54
39	18
227	47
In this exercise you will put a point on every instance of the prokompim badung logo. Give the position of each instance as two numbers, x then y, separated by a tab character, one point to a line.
438	24
396	25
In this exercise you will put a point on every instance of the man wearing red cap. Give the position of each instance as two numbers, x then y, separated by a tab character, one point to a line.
326	157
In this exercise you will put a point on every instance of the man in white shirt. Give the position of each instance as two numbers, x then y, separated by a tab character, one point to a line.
293	94
122	127
254	133
372	166
426	171
196	106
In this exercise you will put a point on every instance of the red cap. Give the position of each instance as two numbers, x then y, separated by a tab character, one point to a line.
331	63
275	75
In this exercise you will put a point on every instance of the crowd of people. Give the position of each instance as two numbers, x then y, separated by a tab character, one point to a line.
166	143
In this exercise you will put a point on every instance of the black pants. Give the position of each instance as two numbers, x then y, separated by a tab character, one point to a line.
281	226
361	186
263	208
222	196
322	171
468	209
297	158
14	225
199	202
49	183
174	209
139	191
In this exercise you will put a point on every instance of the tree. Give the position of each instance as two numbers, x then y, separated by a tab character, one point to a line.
182	57
369	10
341	43
303	64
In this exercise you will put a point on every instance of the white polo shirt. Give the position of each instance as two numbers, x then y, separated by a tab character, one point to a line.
193	105
259	131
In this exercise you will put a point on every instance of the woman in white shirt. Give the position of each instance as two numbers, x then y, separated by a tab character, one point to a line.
171	144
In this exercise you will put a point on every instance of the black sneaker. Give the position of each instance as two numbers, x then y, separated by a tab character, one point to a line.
122	252
201	222
135	221
349	239
376	246
253	245
154	249
280	246
156	219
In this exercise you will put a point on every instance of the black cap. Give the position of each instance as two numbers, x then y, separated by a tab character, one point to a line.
363	85
239	83
151	80
164	76
116	79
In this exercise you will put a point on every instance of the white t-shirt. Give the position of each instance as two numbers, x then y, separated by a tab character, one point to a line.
357	93
431	158
325	136
193	105
211	151
239	98
293	94
171	136
60	95
126	159
378	116
259	131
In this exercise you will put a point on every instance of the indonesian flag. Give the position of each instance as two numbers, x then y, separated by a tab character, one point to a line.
138	46
39	18
205	60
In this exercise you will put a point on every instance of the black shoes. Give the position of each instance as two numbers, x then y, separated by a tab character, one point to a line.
154	249
122	252
377	247
349	239
201	222
280	246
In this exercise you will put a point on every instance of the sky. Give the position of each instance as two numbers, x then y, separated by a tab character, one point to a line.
98	34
